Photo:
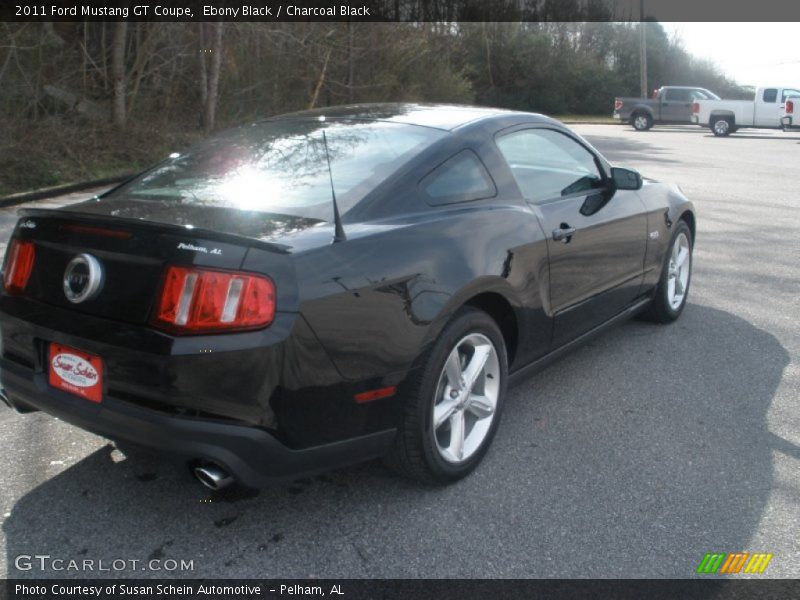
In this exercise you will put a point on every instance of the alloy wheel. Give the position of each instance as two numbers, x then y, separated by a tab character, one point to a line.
640	122
466	398
680	264
721	127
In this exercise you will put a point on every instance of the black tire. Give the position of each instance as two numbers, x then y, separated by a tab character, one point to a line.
722	126
641	121
415	453
660	310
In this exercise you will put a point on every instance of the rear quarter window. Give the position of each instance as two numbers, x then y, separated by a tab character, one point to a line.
461	178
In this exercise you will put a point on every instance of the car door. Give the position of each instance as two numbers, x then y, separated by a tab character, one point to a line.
596	237
768	109
676	105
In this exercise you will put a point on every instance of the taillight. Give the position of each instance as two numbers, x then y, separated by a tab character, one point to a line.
19	264
695	107
200	300
617	104
789	107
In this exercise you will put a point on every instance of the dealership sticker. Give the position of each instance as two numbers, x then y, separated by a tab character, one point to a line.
76	372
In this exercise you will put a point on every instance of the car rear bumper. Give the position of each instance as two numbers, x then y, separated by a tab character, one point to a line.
787	123
251	454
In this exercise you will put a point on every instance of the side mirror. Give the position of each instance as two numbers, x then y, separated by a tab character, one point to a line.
626	179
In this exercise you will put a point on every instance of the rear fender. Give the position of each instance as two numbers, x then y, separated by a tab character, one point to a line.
729	114
643	108
482	285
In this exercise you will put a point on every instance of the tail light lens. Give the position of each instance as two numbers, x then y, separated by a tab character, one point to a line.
201	300
19	264
789	107
617	104
695	107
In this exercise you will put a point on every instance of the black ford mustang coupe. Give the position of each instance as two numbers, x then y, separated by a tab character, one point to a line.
332	286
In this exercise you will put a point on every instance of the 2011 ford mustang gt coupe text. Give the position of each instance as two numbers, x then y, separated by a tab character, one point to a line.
332	286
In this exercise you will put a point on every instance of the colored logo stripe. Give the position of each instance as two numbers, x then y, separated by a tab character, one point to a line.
710	563
758	563
716	562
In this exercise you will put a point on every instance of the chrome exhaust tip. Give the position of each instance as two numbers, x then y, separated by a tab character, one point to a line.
213	477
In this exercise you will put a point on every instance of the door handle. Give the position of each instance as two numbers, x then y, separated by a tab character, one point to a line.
563	233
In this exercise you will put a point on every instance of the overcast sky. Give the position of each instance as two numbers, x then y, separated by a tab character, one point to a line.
750	53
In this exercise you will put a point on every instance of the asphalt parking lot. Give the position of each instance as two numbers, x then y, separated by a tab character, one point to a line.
631	457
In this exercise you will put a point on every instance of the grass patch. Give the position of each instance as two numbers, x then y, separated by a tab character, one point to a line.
594	119
60	151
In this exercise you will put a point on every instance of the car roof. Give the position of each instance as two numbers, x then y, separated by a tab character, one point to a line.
439	116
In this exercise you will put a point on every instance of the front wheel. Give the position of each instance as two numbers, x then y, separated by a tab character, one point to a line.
454	402
676	275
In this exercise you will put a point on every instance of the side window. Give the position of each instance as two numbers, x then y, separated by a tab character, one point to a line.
674	95
548	164
770	95
461	178
789	94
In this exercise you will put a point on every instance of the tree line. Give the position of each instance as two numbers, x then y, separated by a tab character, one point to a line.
147	85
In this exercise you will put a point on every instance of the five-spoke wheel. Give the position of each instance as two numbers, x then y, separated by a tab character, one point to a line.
678	271
673	287
466	397
454	400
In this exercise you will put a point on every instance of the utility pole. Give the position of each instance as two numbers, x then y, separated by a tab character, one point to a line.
642	51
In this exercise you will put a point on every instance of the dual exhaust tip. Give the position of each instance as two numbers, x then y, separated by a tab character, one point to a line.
213	476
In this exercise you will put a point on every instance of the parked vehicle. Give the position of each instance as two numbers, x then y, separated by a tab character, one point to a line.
725	117
332	286
790	120
669	104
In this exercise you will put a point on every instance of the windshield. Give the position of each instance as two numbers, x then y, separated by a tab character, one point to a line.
282	167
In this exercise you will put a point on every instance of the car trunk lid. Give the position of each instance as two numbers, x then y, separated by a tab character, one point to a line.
133	254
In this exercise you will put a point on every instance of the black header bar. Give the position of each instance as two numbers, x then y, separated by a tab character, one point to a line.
398	10
711	588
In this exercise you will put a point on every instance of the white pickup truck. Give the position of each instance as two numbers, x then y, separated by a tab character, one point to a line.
790	121
724	117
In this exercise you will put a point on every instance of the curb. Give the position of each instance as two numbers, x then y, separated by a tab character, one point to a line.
57	190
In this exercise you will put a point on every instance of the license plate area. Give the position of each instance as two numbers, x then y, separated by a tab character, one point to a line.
75	372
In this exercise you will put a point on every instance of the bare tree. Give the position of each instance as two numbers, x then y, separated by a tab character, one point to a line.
203	64
210	109
118	73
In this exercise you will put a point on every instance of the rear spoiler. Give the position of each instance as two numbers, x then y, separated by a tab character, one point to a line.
72	214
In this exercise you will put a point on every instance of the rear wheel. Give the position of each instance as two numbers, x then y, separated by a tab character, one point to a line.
676	275
722	126
641	121
454	402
